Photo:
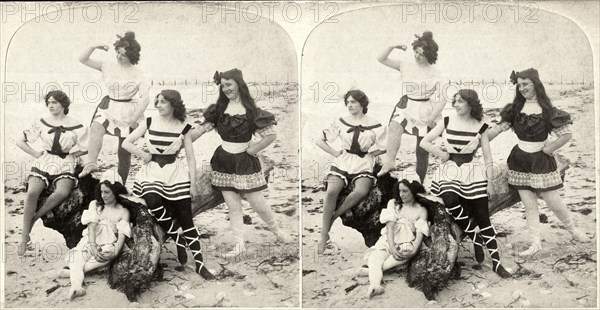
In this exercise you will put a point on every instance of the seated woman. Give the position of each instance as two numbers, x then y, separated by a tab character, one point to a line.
63	140
461	182
108	227
402	236
362	138
166	183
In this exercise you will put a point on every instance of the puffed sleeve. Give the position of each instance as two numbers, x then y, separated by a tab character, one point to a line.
210	114
506	114
389	214
265	123
560	122
33	133
380	139
124	227
81	135
332	132
91	214
422	226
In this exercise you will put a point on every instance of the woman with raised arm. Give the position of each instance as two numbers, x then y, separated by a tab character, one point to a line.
362	138
168	184
120	112
422	101
63	140
532	169
237	171
461	182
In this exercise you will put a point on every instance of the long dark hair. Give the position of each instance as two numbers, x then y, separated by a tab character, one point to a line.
174	98
116	188
472	99
243	92
542	99
415	188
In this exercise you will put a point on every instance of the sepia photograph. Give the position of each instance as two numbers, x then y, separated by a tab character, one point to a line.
448	158
150	155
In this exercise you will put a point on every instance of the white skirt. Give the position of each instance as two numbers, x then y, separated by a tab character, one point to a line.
172	181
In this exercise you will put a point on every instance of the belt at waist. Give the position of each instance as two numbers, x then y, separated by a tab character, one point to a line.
460	159
414	99
360	154
162	160
120	100
59	154
235	147
530	147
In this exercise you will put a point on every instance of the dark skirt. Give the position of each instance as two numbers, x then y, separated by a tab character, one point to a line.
533	171
240	172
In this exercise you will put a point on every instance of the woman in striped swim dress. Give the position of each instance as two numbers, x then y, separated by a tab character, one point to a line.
121	111
459	181
167	183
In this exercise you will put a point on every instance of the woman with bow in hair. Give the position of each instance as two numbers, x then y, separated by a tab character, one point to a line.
532	168
108	228
119	113
421	104
166	183
406	225
63	140
236	169
362	139
461	182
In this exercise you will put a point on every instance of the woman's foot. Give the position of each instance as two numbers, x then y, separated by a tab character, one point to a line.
76	292
579	235
503	273
533	248
362	272
283	236
239	251
387	167
205	273
64	273
24	245
88	169
374	291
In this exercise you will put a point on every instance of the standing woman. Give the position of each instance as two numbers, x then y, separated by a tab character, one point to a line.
236	168
63	140
167	184
462	183
119	113
532	169
362	138
417	111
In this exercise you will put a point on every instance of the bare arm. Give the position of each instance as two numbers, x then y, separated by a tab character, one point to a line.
191	161
261	145
23	145
201	130
429	147
131	148
84	58
142	105
122	237
557	144
377	153
384	59
322	144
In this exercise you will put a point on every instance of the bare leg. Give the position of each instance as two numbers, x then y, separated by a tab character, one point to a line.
335	185
77	269
362	186
554	202
259	204
422	160
62	191
376	260
94	146
388	264
234	205
394	138
532	215
35	186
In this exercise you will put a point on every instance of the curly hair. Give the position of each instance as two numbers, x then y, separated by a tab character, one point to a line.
359	96
430	48
131	46
472	99
542	99
174	98
116	188
415	188
61	97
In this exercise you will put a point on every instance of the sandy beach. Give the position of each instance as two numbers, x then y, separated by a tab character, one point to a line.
267	277
562	275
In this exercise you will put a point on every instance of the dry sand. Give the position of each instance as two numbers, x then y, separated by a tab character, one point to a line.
562	275
267	277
